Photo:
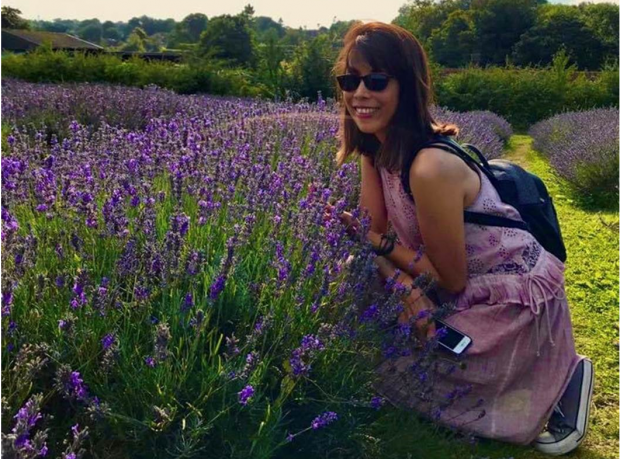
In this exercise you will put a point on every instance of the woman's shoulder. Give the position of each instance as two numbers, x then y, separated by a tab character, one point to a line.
436	164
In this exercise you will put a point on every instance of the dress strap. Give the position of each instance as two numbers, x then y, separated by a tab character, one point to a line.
544	286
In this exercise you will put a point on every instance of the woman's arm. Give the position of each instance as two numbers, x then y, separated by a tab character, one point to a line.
437	181
371	196
403	257
437	184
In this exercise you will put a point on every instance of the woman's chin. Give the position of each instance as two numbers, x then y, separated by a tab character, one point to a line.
366	129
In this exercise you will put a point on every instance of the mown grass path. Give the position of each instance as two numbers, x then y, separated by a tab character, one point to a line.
591	239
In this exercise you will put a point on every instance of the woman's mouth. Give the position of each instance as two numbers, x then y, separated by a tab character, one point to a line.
365	112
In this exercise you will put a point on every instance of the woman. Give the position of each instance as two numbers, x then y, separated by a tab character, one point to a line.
523	366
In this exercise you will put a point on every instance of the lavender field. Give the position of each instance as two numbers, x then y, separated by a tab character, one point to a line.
171	288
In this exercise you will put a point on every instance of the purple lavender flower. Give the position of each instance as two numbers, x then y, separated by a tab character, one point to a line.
324	419
217	287
245	394
108	340
377	402
188	303
300	366
20	442
370	313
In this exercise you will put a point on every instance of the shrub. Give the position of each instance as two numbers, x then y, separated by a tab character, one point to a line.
526	96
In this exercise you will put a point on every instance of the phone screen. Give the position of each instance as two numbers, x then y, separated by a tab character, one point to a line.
452	337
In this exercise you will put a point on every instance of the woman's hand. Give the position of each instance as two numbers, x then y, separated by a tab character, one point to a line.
418	305
414	303
352	224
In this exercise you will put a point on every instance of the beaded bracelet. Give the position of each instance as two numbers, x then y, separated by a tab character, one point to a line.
386	245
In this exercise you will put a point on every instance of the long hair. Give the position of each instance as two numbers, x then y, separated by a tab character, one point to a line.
392	49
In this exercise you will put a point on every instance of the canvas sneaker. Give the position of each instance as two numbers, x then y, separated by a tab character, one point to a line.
568	424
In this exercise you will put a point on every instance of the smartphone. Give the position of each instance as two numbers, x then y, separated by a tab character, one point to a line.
454	340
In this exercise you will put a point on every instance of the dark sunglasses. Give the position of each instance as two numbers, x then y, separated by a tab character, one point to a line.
373	81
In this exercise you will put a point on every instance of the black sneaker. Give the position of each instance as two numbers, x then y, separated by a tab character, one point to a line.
568	424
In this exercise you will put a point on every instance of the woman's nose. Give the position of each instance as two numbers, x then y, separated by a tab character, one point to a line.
361	89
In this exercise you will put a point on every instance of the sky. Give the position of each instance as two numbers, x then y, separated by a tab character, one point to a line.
310	13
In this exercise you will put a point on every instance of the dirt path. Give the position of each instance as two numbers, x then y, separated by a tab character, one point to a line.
517	148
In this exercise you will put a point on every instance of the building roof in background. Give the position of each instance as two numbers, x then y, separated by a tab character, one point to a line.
59	40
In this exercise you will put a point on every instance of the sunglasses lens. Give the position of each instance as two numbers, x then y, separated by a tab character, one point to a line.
372	81
349	82
376	81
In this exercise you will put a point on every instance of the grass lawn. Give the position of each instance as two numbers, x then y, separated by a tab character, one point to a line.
591	238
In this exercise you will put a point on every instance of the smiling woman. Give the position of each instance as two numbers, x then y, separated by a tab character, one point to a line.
521	367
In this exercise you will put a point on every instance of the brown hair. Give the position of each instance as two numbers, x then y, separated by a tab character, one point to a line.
394	50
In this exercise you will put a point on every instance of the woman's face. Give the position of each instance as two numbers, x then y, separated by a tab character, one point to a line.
383	102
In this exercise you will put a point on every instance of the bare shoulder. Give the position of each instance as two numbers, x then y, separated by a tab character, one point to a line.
436	164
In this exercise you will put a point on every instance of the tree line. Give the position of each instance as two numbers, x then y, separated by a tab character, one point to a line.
455	33
280	59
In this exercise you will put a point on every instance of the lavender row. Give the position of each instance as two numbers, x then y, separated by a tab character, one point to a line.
583	148
132	108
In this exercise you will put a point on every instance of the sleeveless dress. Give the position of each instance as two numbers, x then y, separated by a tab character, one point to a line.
515	310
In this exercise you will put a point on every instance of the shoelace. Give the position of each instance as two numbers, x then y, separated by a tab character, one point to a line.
544	286
556	424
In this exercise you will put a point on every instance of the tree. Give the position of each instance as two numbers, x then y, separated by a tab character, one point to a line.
311	68
150	25
136	41
423	17
229	38
338	29
454	43
602	19
248	12
560	26
263	24
11	19
499	25
110	31
90	30
58	25
271	54
193	25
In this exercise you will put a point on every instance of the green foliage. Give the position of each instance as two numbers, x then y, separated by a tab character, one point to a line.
188	30
603	19
91	30
310	69
560	26
109	31
528	31
423	17
499	24
45	65
265	27
11	19
270	70
525	96
455	43
229	38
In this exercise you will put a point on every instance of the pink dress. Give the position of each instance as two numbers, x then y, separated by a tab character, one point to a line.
515	310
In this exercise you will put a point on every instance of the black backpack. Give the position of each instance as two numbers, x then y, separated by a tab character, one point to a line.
521	189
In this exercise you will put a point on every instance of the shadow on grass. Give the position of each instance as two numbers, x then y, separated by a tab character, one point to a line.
592	203
404	434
